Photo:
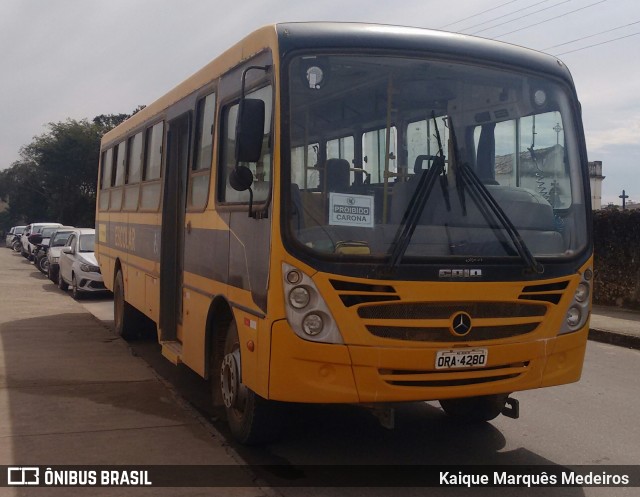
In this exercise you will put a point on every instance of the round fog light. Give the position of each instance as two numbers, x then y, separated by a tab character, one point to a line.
573	317
312	324
299	297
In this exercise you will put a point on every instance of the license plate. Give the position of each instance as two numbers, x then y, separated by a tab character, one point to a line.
461	358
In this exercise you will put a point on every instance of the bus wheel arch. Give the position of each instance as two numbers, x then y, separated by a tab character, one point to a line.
252	419
218	320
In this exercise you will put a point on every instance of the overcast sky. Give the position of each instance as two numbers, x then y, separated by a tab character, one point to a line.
78	59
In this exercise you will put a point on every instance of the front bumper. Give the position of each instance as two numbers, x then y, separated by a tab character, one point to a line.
319	373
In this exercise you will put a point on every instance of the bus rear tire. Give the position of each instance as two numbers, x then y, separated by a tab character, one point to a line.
475	409
125	317
252	419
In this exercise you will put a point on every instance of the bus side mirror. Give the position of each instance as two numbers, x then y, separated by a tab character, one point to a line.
249	130
241	178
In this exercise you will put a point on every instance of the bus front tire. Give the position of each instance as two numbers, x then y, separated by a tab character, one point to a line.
252	419
475	409
124	315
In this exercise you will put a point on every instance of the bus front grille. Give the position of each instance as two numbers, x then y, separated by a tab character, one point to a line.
444	310
433	321
441	334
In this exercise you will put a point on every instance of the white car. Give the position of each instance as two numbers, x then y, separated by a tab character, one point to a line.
32	229
78	265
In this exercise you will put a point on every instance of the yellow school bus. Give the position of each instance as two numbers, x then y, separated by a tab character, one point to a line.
353	213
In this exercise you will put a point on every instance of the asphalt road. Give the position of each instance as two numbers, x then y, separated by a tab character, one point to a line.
592	422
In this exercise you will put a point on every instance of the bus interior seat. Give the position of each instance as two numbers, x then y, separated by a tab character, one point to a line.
336	177
403	191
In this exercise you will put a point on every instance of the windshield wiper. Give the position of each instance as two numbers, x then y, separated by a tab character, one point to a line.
417	204
466	176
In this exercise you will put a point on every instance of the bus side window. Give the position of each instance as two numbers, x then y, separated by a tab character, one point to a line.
374	144
305	161
134	172
151	186
201	168
118	178
105	180
262	168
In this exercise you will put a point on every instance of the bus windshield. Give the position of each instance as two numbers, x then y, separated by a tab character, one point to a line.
366	130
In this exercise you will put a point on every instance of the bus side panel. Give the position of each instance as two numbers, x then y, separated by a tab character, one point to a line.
205	277
135	288
151	297
194	324
250	331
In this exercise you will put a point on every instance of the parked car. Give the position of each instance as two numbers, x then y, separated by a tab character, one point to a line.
42	247
32	229
78	265
14	232
58	240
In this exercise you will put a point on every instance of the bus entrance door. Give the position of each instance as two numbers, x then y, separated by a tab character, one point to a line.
173	219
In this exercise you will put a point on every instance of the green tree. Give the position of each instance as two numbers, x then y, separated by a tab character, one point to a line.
55	178
21	186
67	163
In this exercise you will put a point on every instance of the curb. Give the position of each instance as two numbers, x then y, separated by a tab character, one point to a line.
620	339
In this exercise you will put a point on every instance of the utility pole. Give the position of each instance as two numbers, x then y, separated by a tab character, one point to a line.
624	197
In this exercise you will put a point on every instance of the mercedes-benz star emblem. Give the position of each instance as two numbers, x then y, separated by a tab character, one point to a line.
461	324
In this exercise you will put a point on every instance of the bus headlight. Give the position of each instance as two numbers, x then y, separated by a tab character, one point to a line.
582	292
307	312
299	297
312	324
573	317
578	310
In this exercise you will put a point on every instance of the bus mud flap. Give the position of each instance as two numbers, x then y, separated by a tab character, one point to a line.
511	408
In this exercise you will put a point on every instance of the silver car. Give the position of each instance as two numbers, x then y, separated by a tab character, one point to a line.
58	240
11	236
78	265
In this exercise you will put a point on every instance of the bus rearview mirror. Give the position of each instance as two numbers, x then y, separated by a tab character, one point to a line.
250	130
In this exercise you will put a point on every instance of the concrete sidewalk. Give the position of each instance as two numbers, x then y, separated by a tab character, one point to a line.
616	326
71	393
